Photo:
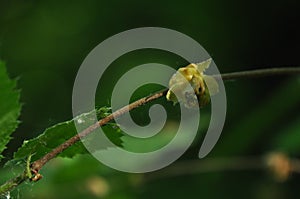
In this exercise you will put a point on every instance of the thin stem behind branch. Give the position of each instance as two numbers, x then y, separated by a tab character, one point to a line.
260	73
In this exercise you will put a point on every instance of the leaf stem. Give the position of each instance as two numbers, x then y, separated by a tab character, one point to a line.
38	164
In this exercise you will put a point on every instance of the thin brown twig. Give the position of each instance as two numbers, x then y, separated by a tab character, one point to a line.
38	164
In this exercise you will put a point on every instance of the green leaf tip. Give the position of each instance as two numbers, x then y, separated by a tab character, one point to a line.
10	107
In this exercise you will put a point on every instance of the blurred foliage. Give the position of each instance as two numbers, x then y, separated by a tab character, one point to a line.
45	42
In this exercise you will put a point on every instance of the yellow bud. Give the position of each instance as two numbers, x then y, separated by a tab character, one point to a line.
188	77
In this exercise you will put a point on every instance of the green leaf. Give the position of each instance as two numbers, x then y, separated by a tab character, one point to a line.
59	133
9	107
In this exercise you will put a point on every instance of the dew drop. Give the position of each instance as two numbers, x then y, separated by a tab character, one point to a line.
80	121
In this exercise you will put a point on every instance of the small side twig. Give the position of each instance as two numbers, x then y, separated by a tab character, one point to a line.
38	164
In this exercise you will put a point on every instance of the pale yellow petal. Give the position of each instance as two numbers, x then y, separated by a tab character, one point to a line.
202	66
212	84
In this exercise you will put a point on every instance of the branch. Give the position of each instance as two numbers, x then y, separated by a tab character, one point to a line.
38	164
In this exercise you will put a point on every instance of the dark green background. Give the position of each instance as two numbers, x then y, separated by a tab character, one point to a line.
44	43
